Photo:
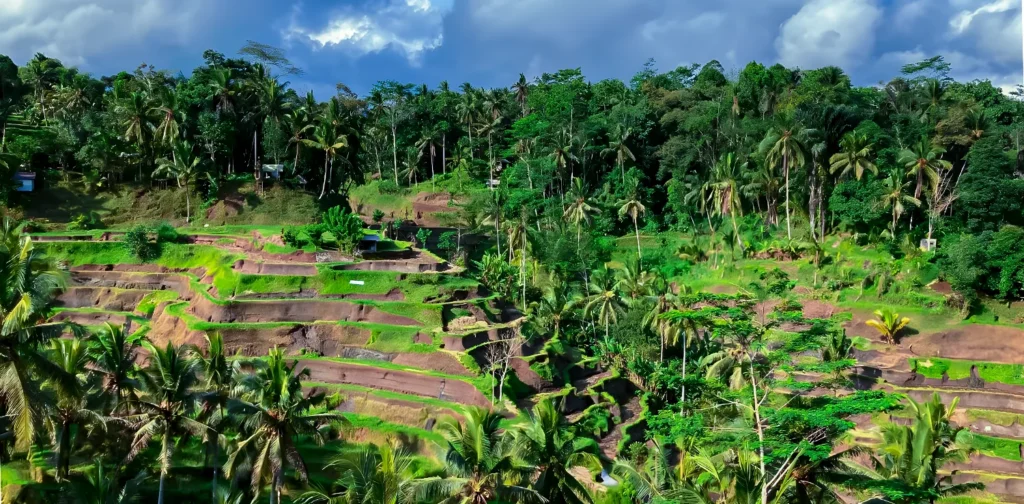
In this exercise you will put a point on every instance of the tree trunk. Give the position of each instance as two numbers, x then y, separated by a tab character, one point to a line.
682	397
639	256
188	206
785	169
394	150
160	494
295	165
324	188
444	161
432	151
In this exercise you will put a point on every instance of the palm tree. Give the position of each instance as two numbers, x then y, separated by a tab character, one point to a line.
40	73
377	474
604	299
183	167
427	145
274	414
895	196
924	161
764	182
67	380
167	129
113	354
853	156
467	111
664	302
328	140
562	154
580	210
98	486
28	281
656	478
137	119
479	464
909	464
546	441
785	145
724	190
522	90
222	89
300	121
617	147
220	379
889	324
556	305
632	207
170	395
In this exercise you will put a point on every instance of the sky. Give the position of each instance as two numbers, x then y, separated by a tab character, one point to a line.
490	42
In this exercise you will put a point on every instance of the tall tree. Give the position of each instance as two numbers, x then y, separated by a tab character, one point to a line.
184	167
854	156
784	145
924	161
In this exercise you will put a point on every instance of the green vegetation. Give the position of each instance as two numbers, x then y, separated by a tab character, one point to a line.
933	367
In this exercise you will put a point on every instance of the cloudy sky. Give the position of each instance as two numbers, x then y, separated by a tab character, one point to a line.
489	42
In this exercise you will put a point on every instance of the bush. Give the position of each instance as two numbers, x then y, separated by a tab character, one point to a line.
165	233
138	244
388	187
84	222
378	215
345	226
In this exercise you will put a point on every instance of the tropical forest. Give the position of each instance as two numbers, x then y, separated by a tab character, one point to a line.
756	285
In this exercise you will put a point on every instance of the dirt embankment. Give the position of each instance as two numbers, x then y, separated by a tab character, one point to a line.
269	268
397	381
156	280
395	294
293	311
104	298
322	339
90	318
395	410
437	361
972	342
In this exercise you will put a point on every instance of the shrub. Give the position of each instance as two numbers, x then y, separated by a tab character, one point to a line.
378	215
83	222
345	226
165	233
138	244
388	187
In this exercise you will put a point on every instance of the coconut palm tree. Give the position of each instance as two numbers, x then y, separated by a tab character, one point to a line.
617	147
67	381
604	300
427	145
664	302
331	142
275	412
40	74
137	120
113	354
888	324
908	467
220	376
522	91
656	478
184	167
784	145
632	207
546	441
28	281
377	474
580	210
100	486
557	304
467	111
479	464
924	161
853	156
562	154
299	122
894	196
167	127
764	182
723	190
222	88
170	386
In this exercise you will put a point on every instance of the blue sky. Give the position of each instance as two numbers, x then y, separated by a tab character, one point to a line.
489	42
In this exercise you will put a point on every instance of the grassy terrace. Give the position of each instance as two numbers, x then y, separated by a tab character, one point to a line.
935	367
386	394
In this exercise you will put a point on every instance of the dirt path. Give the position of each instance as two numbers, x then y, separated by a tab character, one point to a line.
397	381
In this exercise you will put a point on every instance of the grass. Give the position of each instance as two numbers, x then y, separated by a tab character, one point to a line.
995	417
934	367
387	394
1004	448
377	425
482	383
149	303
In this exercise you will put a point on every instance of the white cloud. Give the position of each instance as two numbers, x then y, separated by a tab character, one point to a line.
829	32
410	27
563	22
73	30
995	33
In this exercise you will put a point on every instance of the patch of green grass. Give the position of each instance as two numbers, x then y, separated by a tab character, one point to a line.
934	367
387	394
482	383
1003	448
396	339
996	417
377	425
149	303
